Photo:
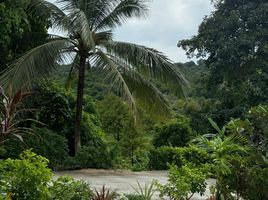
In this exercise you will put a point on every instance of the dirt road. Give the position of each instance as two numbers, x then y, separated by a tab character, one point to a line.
123	181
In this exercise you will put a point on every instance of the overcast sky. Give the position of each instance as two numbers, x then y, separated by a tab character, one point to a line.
168	22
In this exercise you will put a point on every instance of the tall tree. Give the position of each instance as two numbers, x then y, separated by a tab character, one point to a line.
234	41
89	42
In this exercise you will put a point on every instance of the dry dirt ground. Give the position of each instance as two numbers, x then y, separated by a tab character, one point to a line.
123	181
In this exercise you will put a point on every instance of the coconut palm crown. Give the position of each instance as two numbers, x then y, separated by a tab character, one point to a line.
88	25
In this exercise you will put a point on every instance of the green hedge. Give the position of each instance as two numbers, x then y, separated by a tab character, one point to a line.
162	156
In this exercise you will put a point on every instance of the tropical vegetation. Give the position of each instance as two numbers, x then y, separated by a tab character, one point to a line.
80	99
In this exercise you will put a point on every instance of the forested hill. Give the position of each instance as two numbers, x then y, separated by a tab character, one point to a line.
192	71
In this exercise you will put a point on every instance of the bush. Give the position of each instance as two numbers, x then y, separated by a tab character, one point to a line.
257	184
147	191
93	157
176	133
66	188
250	182
50	145
160	157
140	161
30	178
44	142
183	181
25	178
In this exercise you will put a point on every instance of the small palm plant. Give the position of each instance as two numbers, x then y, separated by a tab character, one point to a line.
147	192
88	27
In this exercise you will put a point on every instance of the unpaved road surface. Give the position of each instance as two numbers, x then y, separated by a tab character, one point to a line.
123	181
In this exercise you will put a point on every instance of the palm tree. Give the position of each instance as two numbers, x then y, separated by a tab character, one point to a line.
88	25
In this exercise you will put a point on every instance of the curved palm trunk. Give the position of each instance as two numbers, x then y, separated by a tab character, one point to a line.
79	103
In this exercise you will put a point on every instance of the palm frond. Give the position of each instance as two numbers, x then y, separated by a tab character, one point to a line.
36	63
117	12
203	143
150	62
68	5
102	37
80	28
96	10
106	65
47	9
141	88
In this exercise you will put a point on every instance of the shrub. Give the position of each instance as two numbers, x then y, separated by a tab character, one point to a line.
25	178
50	145
66	188
10	111
30	178
44	142
140	160
184	181
93	157
176	133
160	157
257	184
249	182
118	160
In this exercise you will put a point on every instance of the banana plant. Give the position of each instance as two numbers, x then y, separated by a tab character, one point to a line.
223	149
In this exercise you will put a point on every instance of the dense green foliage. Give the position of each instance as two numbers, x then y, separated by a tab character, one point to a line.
127	142
184	181
237	54
175	133
233	158
65	188
162	156
52	135
88	43
220	130
17	26
43	141
29	178
25	178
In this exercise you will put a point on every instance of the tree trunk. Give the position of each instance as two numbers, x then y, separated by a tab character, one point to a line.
79	103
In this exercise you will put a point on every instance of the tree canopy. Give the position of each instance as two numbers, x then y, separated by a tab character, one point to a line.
233	40
19	30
